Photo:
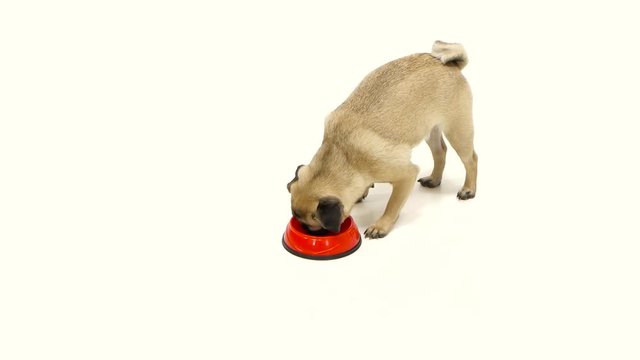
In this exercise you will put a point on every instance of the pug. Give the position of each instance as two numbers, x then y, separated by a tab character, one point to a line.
369	138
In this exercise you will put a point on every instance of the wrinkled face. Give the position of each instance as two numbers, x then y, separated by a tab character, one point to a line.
305	211
313	211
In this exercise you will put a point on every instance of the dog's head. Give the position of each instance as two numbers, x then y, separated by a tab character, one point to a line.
311	203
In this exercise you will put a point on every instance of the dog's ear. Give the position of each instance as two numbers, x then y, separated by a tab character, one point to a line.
295	178
329	213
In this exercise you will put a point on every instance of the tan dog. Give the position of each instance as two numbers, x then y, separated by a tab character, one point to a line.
369	139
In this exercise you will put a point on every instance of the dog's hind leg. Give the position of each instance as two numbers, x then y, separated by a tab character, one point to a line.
439	152
460	136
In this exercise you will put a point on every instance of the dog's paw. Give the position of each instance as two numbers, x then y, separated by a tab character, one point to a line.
466	194
366	192
377	231
427	181
364	196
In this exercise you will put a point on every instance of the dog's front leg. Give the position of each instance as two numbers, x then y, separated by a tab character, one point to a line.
401	190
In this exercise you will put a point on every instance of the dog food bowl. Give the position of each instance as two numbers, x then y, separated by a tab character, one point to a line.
321	245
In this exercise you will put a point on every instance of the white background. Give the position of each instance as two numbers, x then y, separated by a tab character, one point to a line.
145	148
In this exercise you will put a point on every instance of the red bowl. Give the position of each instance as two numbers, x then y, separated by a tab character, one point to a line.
301	243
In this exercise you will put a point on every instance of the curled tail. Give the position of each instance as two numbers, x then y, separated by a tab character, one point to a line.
450	53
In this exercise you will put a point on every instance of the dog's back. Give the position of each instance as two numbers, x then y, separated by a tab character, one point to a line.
403	99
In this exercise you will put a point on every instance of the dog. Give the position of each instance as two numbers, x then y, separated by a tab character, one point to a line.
369	138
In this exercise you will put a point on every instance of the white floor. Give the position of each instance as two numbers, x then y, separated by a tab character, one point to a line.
144	152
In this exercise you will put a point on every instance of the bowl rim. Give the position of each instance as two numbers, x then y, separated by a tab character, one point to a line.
347	224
